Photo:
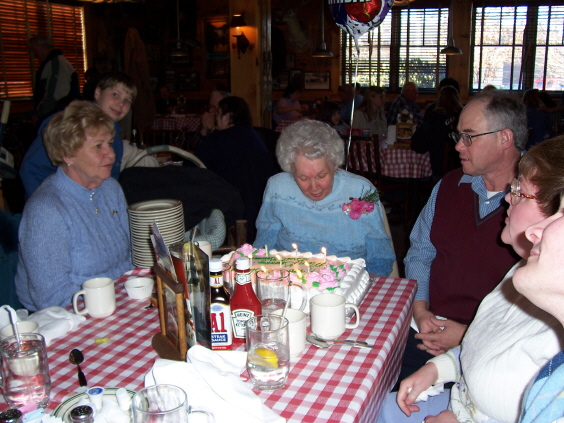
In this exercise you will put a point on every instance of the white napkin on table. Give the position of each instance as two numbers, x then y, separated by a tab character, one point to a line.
55	322
211	380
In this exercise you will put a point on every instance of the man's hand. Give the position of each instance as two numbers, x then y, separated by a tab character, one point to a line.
413	385
208	123
442	340
444	417
423	317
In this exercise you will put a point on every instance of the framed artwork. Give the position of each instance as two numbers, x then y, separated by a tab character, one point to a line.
317	80
281	81
296	77
189	81
216	34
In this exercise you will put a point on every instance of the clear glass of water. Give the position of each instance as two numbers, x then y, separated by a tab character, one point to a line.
268	351
25	371
273	290
164	404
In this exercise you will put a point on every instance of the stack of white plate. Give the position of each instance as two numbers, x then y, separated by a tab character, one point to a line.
170	220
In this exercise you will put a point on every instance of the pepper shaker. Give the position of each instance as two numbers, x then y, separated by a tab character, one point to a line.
82	414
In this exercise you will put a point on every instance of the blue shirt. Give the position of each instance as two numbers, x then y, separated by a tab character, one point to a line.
36	164
544	400
422	251
287	216
69	234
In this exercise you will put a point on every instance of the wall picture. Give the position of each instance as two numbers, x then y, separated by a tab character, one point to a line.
317	80
216	33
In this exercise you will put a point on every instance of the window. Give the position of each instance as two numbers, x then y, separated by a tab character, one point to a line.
518	47
413	55
21	20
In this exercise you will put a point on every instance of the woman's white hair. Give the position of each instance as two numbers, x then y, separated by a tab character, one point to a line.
312	139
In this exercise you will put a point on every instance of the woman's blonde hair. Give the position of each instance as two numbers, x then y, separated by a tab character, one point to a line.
65	134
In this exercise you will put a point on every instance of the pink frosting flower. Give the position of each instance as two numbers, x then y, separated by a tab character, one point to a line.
245	249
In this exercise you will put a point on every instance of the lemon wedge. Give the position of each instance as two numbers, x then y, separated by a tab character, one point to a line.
268	356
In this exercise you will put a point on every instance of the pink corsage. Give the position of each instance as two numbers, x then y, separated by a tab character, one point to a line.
361	205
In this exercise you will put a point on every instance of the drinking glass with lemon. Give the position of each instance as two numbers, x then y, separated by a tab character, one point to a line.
268	352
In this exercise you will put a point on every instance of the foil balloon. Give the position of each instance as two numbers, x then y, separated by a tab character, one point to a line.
357	17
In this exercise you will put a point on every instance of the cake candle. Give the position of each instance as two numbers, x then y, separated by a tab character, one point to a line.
307	265
279	258
295	247
266	250
300	276
250	260
324	252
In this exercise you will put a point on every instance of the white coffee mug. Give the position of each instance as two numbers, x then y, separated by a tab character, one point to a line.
296	330
99	298
206	247
328	316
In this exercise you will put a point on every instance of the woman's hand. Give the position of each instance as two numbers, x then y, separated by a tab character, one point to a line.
444	417
442	340
413	385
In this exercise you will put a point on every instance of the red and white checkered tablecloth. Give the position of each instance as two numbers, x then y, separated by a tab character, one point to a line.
189	124
398	162
338	384
287	122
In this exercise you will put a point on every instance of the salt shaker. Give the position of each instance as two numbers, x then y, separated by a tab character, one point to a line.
11	416
82	414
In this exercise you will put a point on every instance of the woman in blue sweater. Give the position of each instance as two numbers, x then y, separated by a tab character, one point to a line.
75	225
312	203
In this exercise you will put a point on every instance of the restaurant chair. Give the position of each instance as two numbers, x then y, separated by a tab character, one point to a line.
236	236
163	149
393	191
180	139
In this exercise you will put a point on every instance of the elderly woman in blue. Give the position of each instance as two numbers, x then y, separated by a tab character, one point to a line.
304	204
74	227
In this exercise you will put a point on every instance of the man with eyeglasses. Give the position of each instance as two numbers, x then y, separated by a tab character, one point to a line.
406	101
456	254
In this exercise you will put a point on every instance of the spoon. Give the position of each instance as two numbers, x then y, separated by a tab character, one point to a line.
312	339
76	357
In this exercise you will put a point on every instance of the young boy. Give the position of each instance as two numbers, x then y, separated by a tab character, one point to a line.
114	94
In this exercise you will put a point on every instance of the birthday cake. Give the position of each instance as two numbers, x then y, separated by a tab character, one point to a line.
317	273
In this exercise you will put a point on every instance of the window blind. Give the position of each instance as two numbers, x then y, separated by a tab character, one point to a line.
20	20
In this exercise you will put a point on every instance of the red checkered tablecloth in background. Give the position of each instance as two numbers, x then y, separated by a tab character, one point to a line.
338	384
287	122
399	162
188	124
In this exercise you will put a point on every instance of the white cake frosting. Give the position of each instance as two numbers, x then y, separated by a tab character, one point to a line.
340	275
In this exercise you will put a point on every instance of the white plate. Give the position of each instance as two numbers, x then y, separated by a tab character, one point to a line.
154	205
159	214
63	410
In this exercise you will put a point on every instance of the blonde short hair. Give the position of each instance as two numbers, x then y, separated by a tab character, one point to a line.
66	132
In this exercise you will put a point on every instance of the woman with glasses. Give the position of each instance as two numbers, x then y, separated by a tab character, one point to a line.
510	338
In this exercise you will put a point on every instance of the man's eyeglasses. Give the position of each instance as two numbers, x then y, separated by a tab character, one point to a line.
466	138
516	193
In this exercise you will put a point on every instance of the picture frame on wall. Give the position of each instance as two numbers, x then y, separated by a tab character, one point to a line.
216	34
281	81
296	77
317	80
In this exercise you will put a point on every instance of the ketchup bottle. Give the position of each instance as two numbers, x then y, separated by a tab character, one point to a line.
244	302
